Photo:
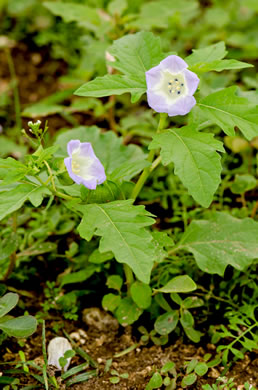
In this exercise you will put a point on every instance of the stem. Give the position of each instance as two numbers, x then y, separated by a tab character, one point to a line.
54	192
241	335
50	175
145	173
155	163
129	277
17	105
13	256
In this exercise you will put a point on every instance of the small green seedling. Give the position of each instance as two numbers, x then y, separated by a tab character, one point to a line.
169	377
64	359
153	336
223	383
22	326
163	377
117	376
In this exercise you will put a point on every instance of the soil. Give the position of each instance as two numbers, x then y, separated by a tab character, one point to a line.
99	335
97	332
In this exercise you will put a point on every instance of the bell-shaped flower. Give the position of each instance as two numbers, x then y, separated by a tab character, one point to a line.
170	86
56	350
83	166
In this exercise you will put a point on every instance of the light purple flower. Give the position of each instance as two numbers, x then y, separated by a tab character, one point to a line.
83	166
170	87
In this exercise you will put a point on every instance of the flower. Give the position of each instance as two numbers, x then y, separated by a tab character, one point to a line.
83	166
170	86
56	349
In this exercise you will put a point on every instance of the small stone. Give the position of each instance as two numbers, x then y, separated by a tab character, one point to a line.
83	333
75	336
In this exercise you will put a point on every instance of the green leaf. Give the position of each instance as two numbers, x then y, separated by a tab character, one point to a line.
11	170
210	59
228	110
221	241
114	379
117	7
128	170
243	183
97	258
38	249
7	303
188	380
155	381
196	162
161	241
179	284
107	146
186	319
115	282
110	302
168	367
136	53
167	322
79	276
192	302
157	14
127	312
201	369
207	54
121	227
11	201
141	294
220	65
71	12
191	365
112	85
8	246
22	326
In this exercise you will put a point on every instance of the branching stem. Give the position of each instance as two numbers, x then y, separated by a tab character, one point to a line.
146	172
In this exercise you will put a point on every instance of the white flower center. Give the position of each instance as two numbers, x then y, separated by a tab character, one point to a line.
81	165
171	86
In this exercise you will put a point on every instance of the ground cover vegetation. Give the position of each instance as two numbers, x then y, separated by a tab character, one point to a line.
128	194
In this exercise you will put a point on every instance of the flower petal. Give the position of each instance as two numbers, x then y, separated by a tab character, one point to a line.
86	150
182	106
173	64
68	164
153	77
83	166
192	81
72	146
90	184
157	102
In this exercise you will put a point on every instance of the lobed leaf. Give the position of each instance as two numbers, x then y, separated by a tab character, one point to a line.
222	241
112	85
228	110
196	162
121	227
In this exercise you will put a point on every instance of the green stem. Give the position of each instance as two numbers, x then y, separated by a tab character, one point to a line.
54	192
17	105
146	172
50	175
242	334
129	277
